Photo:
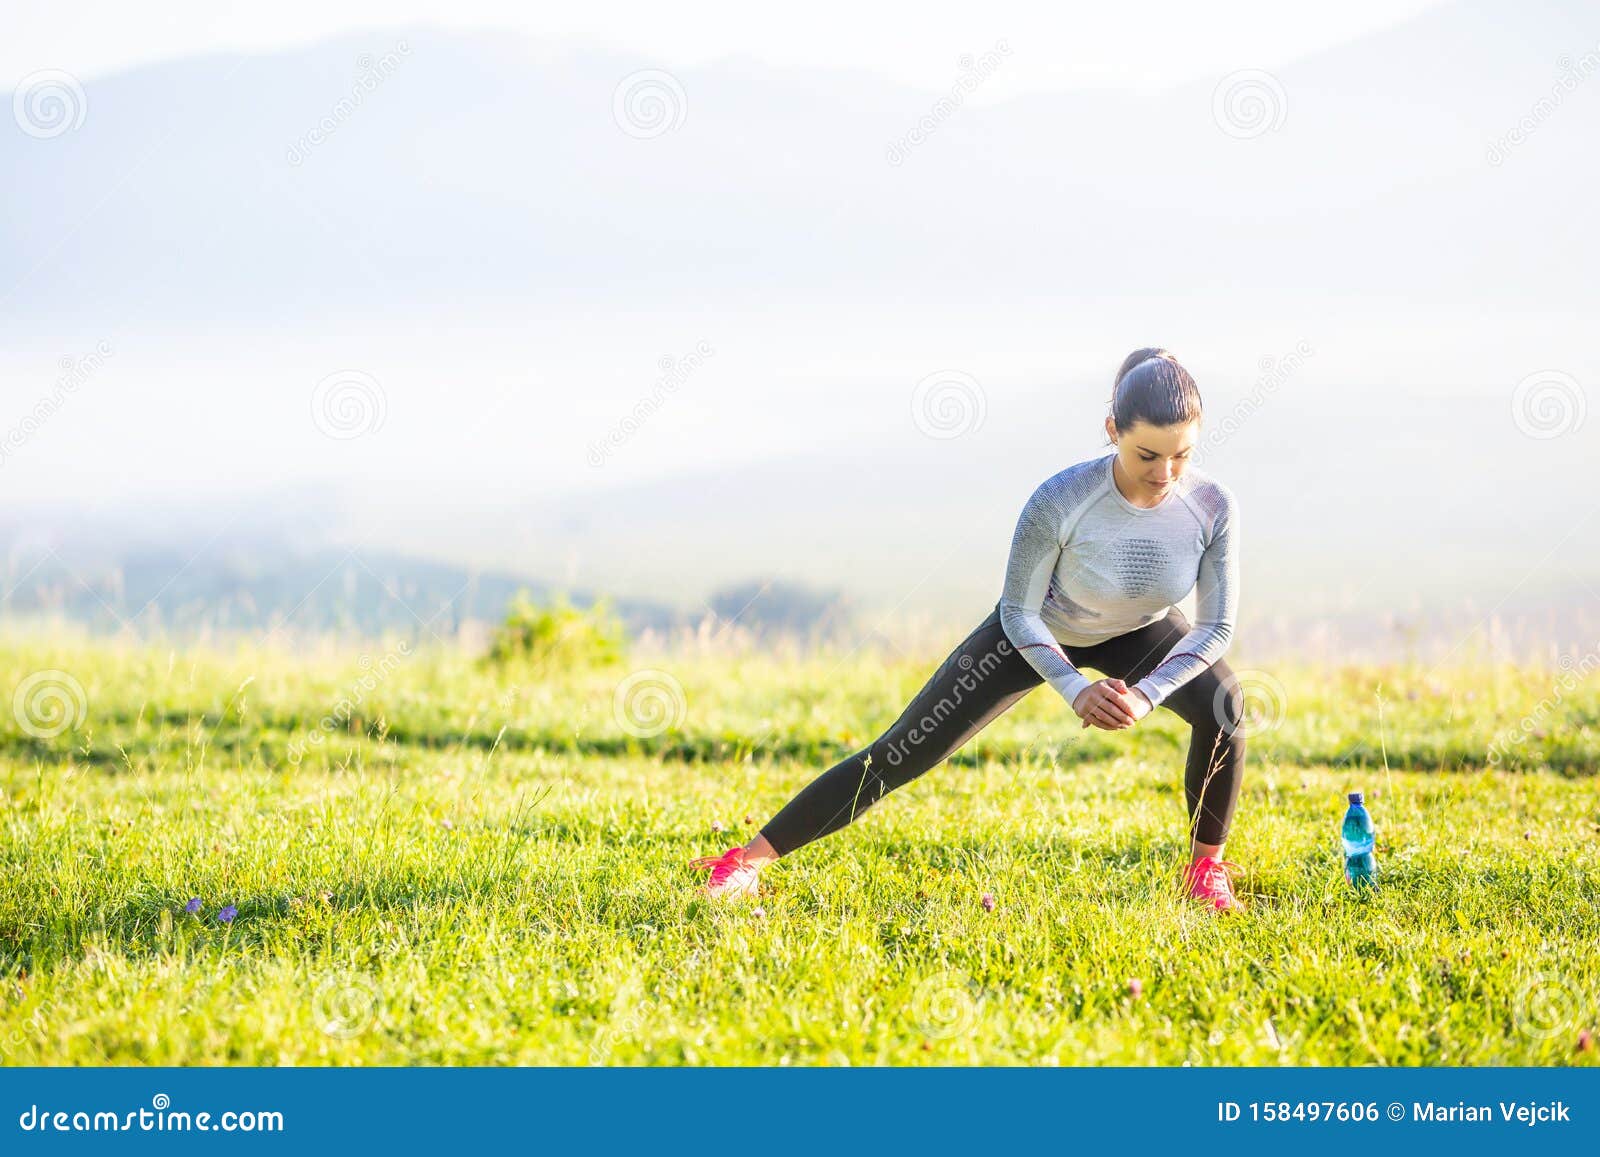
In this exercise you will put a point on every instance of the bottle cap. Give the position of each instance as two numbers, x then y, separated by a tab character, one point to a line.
1356	797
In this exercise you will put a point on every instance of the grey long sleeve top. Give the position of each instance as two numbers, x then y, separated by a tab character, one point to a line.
1086	565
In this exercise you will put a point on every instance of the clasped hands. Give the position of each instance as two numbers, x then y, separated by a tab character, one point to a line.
1111	705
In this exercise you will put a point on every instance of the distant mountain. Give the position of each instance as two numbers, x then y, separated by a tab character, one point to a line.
783	608
190	588
202	572
204	575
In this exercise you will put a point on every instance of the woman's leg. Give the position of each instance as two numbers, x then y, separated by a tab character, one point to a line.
1211	703
980	680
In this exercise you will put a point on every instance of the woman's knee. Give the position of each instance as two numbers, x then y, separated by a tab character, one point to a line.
1214	700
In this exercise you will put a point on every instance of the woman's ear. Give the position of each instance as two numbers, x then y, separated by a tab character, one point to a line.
1111	429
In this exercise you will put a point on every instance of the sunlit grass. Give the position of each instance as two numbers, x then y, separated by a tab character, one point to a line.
460	865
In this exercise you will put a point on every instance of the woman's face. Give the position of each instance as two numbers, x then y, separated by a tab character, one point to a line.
1154	457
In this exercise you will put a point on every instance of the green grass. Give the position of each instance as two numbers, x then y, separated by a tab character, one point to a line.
466	868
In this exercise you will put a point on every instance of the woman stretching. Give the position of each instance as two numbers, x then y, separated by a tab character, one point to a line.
1101	553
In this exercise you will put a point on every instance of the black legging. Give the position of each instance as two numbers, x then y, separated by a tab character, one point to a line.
979	681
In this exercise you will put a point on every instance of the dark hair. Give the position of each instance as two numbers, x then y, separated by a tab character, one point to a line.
1152	387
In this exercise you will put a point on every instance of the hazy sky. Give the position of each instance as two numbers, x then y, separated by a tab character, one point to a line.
1138	45
431	317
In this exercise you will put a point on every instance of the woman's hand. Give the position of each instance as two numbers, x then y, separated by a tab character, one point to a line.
1134	698
1111	705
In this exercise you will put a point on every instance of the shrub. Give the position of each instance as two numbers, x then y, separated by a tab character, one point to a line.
557	633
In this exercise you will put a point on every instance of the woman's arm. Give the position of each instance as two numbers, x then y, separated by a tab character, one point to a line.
1216	608
1035	547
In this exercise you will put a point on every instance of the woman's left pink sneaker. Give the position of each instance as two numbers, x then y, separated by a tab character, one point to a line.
730	875
1207	879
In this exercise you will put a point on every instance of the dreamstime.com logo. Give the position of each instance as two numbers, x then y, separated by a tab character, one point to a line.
973	673
1569	75
649	103
75	372
944	1005
159	1118
948	404
49	703
1275	371
1548	1005
49	103
348	404
1263	703
1249	103
974	71
1549	404
373	676
370	73
346	1004
34	1030
1574	670
674	372
648	703
627	1023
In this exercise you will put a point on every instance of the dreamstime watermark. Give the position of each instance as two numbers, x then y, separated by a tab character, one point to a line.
346	1004
649	702
1262	703
49	703
35	1028
649	103
49	103
674	372
370	74
974	71
1274	373
160	1117
1574	670
1237	1031
627	1023
624	1027
948	404
973	673
1548	404
1547	1004
74	373
944	1004
1569	75
1249	103
374	673
348	404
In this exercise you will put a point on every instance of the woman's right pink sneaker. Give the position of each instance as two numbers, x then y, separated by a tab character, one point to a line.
1208	879
730	875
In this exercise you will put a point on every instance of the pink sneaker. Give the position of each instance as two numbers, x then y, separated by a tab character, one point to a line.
730	875
1208	879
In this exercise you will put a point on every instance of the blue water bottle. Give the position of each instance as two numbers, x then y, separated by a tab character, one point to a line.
1360	865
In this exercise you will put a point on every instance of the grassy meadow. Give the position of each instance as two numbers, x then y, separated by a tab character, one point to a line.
403	856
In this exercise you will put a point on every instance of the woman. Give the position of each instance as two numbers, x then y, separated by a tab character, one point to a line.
1102	551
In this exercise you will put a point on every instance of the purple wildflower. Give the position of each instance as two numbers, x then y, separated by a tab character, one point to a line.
987	901
227	914
192	906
